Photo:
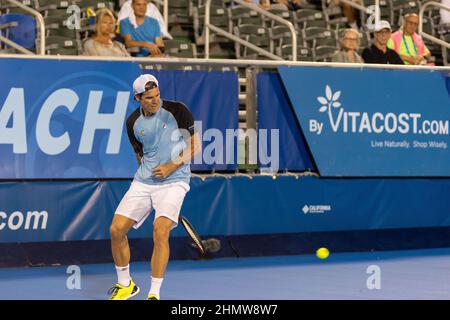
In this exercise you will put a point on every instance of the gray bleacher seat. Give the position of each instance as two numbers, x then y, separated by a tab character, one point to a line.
222	50
257	35
54	4
282	13
55	13
332	11
338	24
240	15
96	4
180	21
428	26
319	36
63	32
280	35
303	53
4	5
305	18
219	17
364	40
445	51
58	44
181	49
324	53
179	12
63	51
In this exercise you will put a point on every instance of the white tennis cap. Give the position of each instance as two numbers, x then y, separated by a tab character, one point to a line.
141	81
382	24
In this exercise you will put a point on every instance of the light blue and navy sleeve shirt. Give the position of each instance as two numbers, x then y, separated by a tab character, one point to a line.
158	139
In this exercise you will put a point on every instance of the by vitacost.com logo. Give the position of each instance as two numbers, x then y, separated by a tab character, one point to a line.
358	122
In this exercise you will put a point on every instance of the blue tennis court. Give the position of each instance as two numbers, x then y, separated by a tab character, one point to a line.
414	274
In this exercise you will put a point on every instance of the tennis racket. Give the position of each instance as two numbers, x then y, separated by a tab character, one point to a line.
193	234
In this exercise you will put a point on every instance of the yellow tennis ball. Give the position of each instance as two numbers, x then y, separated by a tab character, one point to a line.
322	253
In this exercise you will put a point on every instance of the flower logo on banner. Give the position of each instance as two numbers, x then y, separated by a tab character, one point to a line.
329	102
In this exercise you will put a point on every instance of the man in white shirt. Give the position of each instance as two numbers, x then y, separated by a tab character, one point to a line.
445	14
126	11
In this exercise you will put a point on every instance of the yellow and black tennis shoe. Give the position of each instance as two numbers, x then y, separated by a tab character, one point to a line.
119	292
152	297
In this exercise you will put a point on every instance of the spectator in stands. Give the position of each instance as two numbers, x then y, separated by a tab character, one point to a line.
264	4
293	5
152	11
139	30
347	11
408	44
379	52
445	14
349	41
102	43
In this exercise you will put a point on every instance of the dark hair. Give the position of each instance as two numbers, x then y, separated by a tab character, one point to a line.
148	86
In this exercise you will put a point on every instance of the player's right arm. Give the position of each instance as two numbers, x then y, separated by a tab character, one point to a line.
137	146
139	158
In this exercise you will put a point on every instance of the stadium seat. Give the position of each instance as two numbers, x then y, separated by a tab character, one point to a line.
280	35
60	44
324	53
96	4
303	53
257	35
242	15
24	33
282	13
54	4
319	36
306	18
180	49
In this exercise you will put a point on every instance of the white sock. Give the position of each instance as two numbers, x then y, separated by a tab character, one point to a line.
156	286
123	275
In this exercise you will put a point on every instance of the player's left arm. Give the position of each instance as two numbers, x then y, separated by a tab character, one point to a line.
193	147
185	121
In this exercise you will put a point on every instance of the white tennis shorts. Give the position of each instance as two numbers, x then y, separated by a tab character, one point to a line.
141	198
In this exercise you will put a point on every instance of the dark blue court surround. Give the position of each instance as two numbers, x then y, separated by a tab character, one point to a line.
83	210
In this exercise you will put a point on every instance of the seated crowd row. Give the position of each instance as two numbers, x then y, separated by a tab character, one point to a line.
140	29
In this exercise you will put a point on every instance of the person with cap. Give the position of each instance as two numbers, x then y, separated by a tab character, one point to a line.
163	137
408	44
379	52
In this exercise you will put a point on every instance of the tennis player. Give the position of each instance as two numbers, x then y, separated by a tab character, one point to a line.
163	138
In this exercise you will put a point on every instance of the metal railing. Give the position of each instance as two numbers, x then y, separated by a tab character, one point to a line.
226	62
426	35
165	5
40	22
208	27
365	9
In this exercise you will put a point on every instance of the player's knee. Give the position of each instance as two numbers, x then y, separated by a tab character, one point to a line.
160	233
116	232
